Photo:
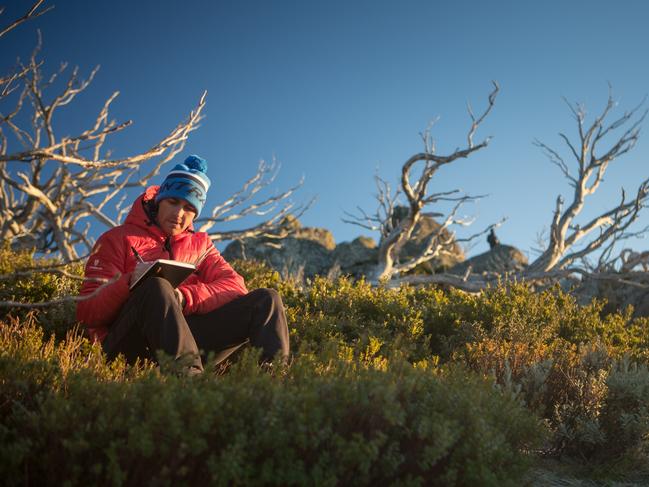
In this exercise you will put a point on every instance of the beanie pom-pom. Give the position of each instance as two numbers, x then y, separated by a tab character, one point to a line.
196	163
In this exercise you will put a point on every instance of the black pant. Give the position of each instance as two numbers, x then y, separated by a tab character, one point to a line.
152	320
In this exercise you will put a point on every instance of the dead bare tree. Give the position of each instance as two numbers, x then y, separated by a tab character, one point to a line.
602	232
566	251
56	186
396	230
53	188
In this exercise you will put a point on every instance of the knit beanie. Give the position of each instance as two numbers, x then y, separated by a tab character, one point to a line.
188	181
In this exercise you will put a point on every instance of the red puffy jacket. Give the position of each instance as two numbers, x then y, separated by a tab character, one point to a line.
214	283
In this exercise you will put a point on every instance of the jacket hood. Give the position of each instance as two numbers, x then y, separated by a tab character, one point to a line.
139	217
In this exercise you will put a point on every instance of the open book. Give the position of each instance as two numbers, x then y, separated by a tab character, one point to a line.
172	270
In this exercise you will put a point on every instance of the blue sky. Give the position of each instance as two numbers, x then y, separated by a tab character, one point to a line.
337	90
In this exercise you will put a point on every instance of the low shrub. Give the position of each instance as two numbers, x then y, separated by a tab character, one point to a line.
515	310
625	411
33	287
357	315
307	424
542	350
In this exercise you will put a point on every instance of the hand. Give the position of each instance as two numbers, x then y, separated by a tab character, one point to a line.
140	268
180	297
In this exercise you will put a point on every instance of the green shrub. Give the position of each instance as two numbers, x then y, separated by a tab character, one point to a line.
343	424
257	274
515	310
541	349
625	411
38	287
357	315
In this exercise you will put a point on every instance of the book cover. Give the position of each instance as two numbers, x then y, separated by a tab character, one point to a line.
172	270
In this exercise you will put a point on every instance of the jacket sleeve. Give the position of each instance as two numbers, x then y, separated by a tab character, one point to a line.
107	262
217	283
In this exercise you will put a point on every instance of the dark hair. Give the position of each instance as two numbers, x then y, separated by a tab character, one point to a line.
151	211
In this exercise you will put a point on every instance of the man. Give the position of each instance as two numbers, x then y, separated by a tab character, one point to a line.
211	311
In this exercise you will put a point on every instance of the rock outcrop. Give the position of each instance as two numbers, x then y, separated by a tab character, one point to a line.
356	258
310	251
499	259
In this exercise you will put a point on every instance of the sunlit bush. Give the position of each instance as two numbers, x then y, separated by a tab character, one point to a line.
70	417
583	374
34	287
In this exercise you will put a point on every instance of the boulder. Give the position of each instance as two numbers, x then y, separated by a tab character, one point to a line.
321	236
290	255
356	258
499	259
307	251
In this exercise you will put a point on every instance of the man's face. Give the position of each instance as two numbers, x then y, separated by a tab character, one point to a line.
175	215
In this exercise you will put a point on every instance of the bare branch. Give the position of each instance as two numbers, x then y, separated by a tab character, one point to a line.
474	285
383	219
476	122
556	159
60	272
32	13
240	205
271	228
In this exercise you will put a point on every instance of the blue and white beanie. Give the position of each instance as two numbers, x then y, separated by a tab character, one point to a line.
188	181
